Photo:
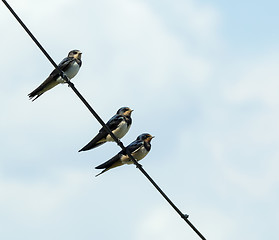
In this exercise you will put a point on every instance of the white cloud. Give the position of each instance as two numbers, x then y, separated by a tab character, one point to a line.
201	20
257	182
163	223
257	81
27	201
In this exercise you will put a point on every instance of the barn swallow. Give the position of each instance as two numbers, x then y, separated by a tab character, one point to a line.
138	149
119	124
69	65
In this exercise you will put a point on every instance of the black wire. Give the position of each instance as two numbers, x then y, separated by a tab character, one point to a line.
139	166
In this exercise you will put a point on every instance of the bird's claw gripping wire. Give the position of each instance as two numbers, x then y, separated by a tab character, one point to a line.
66	79
64	76
138	166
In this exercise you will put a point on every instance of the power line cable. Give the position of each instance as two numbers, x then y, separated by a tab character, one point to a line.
98	118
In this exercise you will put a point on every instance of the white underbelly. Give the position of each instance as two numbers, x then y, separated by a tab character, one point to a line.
71	72
119	132
140	154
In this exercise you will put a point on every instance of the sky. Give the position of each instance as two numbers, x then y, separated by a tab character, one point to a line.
201	76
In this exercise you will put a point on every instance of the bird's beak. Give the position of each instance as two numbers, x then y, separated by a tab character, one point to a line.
150	138
128	113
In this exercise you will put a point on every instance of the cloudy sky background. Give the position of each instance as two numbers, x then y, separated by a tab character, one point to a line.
202	76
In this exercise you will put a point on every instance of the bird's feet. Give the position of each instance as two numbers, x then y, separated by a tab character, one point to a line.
139	166
65	77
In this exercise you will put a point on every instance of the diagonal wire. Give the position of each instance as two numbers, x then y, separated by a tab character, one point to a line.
98	118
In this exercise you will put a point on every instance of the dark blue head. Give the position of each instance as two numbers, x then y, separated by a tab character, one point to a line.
75	54
145	137
124	111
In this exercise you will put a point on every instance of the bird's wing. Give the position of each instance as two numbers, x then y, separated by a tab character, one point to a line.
133	147
95	142
46	85
116	160
113	162
113	123
99	139
63	65
50	82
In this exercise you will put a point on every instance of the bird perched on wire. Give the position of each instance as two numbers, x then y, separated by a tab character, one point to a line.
119	124
69	65
138	149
